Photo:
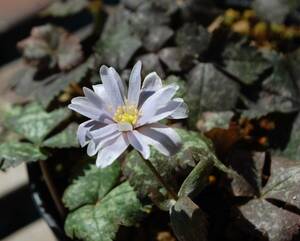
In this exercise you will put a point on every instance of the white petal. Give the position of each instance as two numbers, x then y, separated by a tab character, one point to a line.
104	131
139	143
151	84
181	112
111	87
82	132
120	82
135	84
156	101
111	151
96	144
162	137
96	100
166	110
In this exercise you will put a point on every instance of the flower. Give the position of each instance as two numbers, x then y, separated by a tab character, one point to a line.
121	117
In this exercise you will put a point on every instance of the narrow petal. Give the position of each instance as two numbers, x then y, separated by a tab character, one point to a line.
104	131
151	84
82	132
111	151
139	143
96	144
162	138
155	102
181	112
111	87
96	100
121	82
84	107
135	84
166	110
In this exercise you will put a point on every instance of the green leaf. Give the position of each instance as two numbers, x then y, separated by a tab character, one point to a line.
15	153
65	8
100	221
198	177
172	169
65	139
182	91
33	122
94	185
188	221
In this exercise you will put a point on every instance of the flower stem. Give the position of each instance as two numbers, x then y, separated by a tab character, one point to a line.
160	179
52	190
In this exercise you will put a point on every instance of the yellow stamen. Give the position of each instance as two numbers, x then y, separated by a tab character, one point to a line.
126	114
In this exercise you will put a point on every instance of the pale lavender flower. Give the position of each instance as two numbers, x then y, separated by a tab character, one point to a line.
121	117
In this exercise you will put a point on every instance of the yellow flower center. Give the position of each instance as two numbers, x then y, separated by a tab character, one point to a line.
126	114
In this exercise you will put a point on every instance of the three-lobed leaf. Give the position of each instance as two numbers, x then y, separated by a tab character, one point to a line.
13	153
33	122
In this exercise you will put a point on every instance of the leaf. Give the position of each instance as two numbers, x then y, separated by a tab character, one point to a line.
273	211
273	223
65	139
209	90
198	177
100	221
284	182
209	120
33	122
194	38
172	169
152	43
49	46
188	221
275	10
46	91
92	186
173	79
245	63
117	46
292	150
63	8
14	153
279	91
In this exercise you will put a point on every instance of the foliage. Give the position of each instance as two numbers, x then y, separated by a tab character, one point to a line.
237	173
34	125
100	208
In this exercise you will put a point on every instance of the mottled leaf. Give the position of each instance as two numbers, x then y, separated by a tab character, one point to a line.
245	63
64	8
93	185
15	153
275	10
292	150
151	63
172	169
182	91
276	224
188	221
209	120
157	37
33	122
100	221
284	182
209	90
117	46
194	38
50	46
65	139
